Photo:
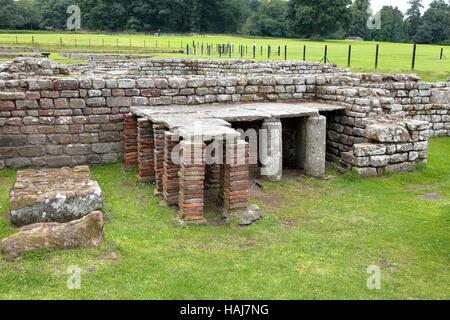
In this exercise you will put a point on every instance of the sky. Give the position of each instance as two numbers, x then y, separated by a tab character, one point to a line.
401	4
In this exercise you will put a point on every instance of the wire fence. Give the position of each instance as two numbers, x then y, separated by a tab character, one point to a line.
348	56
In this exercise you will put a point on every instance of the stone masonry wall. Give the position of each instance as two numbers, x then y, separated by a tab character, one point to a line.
67	122
202	67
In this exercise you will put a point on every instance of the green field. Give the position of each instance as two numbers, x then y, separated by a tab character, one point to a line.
394	57
316	241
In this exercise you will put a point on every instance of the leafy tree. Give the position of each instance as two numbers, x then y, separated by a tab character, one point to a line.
359	16
7	14
268	20
316	18
437	16
254	5
391	26
27	14
424	34
414	16
54	13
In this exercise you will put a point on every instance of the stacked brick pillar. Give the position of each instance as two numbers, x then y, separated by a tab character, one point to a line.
158	134
171	170
146	163
130	141
192	182
235	176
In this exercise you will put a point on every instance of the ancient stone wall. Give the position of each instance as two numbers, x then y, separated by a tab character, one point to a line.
202	67
391	101
60	122
50	121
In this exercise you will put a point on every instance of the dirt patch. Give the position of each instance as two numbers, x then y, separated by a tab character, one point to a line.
110	256
270	198
430	196
289	221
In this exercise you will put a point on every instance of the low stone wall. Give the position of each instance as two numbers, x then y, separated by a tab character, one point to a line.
27	67
391	148
149	67
16	49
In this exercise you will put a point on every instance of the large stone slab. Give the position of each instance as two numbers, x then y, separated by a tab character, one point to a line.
87	231
54	195
387	133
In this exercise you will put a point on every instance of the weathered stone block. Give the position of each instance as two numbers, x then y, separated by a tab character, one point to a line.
369	149
118	101
87	231
54	195
387	133
350	158
399	157
401	167
12	95
379	161
7	105
126	83
365	172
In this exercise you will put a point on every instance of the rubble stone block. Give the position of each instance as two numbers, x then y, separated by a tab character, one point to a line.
54	195
369	149
389	133
87	231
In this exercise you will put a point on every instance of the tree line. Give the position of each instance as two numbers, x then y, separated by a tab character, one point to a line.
315	19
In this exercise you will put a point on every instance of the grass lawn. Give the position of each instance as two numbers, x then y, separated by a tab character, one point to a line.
394	57
316	241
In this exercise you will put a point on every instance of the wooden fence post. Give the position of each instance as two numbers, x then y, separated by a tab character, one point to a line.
349	61
413	66
376	56
325	58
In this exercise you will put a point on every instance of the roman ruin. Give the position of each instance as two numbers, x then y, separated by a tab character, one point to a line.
188	124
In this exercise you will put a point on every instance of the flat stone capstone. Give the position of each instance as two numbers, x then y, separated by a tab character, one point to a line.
215	120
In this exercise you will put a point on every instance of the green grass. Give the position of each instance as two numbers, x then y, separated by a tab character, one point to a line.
394	57
315	242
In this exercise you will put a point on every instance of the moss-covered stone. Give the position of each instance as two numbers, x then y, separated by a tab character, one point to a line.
54	195
88	231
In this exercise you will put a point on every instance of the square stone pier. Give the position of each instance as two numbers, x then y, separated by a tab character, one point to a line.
185	148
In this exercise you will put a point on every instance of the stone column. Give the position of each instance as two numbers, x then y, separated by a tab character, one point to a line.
191	198
236	176
158	134
171	184
300	142
130	141
315	149
146	165
271	150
